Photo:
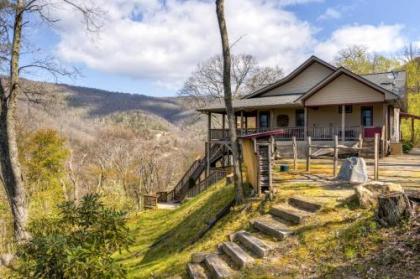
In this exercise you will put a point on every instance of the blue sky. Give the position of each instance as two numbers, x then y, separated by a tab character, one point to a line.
150	48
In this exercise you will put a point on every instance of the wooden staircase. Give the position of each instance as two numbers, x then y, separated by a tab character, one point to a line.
264	167
244	247
369	148
189	180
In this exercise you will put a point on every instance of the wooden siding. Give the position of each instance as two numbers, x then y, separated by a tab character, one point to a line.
344	90
328	116
250	162
302	82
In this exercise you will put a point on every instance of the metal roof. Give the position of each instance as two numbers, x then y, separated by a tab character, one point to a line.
391	81
249	104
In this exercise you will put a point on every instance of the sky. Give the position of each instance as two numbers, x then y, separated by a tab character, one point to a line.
151	46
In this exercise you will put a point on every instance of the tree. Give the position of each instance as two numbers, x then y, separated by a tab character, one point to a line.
11	175
237	172
78	244
358	60
206	82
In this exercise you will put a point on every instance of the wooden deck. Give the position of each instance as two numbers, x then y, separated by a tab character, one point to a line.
404	170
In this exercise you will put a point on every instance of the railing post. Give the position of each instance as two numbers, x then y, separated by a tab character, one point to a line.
308	158
360	144
335	155
294	153
376	165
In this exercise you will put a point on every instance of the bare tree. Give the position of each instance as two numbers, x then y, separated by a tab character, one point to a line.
237	173
206	82
22	12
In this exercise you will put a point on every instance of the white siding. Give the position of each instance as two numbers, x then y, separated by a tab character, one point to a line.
303	81
344	90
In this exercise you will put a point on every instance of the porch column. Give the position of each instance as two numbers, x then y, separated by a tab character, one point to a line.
208	144
242	121
305	126
396	128
343	123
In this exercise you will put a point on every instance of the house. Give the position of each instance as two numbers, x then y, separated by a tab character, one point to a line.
315	100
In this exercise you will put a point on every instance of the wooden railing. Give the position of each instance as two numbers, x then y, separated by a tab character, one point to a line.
317	133
215	176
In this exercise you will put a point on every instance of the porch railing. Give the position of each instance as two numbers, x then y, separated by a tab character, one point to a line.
317	133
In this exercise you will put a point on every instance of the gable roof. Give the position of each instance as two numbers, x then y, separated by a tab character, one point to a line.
290	76
342	71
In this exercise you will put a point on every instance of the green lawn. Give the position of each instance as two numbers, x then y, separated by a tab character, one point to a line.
165	239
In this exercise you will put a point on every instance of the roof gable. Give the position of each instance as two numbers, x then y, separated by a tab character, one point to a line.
323	68
356	79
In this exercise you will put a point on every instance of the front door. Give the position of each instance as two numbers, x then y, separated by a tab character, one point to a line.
367	116
264	120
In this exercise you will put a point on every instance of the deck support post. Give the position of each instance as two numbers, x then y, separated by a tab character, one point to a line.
343	123
309	154
335	160
412	130
242	122
294	153
305	126
208	144
224	137
376	149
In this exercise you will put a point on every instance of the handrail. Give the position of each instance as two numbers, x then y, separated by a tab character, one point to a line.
214	177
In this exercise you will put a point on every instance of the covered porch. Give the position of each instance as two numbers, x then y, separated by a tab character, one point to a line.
321	123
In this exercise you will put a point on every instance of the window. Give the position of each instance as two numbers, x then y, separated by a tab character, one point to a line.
300	118
264	120
348	108
282	120
367	116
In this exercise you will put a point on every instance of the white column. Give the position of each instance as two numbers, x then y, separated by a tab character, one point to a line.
343	123
396	125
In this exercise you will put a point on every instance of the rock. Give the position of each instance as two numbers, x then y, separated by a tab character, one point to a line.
198	257
368	193
353	170
6	259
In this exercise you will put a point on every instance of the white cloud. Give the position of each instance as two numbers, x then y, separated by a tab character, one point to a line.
162	43
330	13
379	39
171	39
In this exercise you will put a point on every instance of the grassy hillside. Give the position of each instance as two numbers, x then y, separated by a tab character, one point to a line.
339	242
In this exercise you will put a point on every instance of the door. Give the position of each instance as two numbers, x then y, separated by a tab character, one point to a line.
264	120
367	116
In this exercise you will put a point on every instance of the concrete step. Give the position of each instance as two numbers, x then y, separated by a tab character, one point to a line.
217	267
196	271
237	254
255	245
304	203
271	226
289	213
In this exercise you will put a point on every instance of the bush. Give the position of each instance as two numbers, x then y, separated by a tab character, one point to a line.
407	146
77	244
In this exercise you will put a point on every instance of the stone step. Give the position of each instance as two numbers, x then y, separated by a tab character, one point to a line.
255	245
304	203
237	254
289	213
217	267
196	271
270	226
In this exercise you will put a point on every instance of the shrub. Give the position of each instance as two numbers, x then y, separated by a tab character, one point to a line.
77	244
407	146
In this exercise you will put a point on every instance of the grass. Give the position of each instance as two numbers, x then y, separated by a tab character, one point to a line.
165	239
340	239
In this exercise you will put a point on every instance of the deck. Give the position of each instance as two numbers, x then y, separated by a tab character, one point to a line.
404	169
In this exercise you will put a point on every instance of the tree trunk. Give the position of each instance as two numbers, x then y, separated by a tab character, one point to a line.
237	174
393	208
10	166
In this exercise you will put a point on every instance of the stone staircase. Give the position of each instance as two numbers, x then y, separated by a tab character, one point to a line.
244	247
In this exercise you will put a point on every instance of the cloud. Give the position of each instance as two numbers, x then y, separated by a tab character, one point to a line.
378	39
330	13
164	41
